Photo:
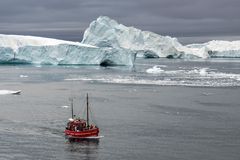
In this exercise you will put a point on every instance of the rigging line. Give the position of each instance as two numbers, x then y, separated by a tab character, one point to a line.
93	118
84	109
81	104
91	113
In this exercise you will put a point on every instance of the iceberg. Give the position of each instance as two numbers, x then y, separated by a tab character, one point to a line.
38	50
106	42
106	32
219	49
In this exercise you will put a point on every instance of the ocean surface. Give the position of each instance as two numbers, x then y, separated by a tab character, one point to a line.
158	109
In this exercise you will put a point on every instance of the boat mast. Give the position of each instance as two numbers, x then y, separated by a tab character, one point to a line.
87	113
71	99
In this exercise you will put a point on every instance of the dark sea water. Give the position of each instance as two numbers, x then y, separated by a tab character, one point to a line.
178	110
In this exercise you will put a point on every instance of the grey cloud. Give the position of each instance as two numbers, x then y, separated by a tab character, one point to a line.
67	19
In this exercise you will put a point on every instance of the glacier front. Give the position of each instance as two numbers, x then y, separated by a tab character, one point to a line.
38	50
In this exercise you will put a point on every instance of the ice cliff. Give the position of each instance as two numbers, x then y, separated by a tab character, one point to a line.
106	32
38	50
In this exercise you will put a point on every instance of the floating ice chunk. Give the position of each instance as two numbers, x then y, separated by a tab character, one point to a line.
155	70
64	106
200	71
203	71
23	76
5	92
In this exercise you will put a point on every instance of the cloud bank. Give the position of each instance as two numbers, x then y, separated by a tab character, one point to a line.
67	19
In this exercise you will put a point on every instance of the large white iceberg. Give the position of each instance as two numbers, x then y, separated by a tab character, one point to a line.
106	32
38	50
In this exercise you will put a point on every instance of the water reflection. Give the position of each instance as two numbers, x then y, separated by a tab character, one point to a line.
84	141
83	148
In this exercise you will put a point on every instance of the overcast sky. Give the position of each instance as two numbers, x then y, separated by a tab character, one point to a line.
189	20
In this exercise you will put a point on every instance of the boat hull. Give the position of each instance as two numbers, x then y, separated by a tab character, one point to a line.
82	134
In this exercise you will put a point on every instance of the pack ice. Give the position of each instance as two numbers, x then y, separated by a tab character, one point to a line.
38	50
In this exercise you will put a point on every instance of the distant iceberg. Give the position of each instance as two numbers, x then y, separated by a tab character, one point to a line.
38	50
219	49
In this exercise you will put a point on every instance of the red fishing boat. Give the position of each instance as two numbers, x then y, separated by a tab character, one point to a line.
78	128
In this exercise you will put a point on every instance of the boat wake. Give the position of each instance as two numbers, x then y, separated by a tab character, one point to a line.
92	137
96	137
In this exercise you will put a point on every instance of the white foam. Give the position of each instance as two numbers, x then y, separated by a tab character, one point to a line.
95	137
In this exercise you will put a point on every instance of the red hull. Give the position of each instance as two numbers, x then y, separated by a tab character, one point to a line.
82	134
